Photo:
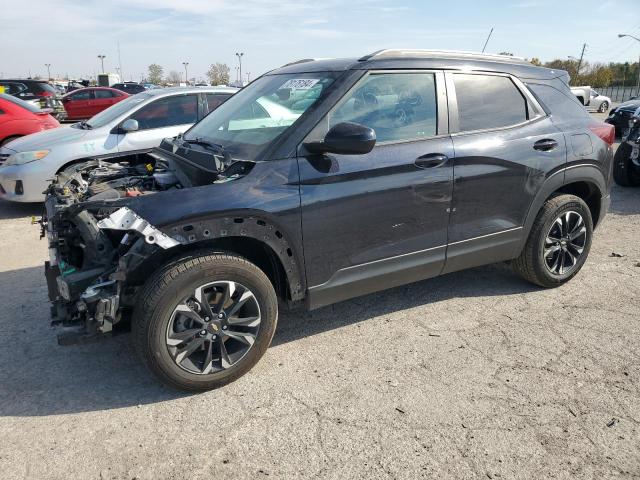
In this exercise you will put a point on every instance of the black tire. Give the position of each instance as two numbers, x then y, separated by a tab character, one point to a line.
167	288
625	173
603	107
531	264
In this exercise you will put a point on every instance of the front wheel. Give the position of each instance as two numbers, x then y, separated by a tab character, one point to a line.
205	320
604	106
558	244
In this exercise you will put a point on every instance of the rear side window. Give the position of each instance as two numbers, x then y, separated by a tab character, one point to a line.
488	101
214	100
557	102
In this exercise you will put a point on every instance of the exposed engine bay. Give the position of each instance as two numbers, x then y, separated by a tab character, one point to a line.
97	242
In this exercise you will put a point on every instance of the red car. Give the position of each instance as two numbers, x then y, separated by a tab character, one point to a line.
86	102
18	118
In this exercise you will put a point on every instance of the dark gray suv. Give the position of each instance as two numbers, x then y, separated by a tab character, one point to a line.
321	181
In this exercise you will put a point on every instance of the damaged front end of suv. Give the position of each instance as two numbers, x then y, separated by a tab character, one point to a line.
97	241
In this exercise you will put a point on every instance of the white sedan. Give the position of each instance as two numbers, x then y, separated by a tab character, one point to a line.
140	122
598	102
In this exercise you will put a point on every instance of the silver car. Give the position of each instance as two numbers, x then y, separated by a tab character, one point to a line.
140	122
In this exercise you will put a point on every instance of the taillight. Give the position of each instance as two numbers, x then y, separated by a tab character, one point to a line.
605	131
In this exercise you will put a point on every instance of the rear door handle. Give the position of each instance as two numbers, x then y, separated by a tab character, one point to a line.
431	160
545	145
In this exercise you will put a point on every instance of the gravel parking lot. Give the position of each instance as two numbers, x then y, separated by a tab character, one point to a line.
475	374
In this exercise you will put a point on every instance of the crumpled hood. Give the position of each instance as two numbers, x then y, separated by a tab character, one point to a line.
630	105
47	139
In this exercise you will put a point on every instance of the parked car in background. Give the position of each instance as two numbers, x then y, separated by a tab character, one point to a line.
38	92
599	103
583	94
626	164
130	87
150	86
75	85
86	102
136	123
318	182
108	79
19	118
620	116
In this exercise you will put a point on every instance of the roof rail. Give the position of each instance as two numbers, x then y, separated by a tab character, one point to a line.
416	53
304	60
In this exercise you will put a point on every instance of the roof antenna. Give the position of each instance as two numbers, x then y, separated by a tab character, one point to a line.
485	43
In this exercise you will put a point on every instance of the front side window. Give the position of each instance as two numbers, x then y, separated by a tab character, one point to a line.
398	106
257	115
84	95
167	112
103	94
488	101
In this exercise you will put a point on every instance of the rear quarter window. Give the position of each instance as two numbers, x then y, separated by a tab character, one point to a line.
556	102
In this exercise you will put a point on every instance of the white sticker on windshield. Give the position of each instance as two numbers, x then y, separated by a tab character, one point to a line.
300	83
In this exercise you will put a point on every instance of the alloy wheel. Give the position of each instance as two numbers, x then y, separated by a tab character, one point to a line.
565	243
213	328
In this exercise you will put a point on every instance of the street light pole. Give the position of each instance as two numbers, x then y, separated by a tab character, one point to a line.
621	35
102	57
186	75
48	65
240	55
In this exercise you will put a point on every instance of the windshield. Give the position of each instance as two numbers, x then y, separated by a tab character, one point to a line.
110	114
247	123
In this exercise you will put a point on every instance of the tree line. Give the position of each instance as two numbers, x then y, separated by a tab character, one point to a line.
218	74
612	74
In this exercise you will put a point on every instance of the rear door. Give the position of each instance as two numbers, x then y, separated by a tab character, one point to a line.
378	220
214	100
162	118
103	99
505	146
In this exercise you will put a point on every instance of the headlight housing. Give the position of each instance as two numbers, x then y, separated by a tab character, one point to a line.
26	157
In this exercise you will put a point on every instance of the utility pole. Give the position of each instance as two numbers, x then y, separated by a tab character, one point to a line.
620	35
48	65
584	46
102	57
186	75
120	62
240	55
487	41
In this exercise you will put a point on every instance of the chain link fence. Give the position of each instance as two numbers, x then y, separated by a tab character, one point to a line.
619	94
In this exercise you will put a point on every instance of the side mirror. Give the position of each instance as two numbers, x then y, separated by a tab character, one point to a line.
129	125
345	139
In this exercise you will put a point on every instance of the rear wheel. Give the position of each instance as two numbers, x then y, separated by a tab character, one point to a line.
625	172
204	321
558	244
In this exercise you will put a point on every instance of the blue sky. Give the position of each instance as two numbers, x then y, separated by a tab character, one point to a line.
70	34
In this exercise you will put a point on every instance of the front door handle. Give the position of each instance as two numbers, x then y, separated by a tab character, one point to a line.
431	160
545	145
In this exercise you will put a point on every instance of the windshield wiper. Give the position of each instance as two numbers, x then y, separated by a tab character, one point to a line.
207	144
84	125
